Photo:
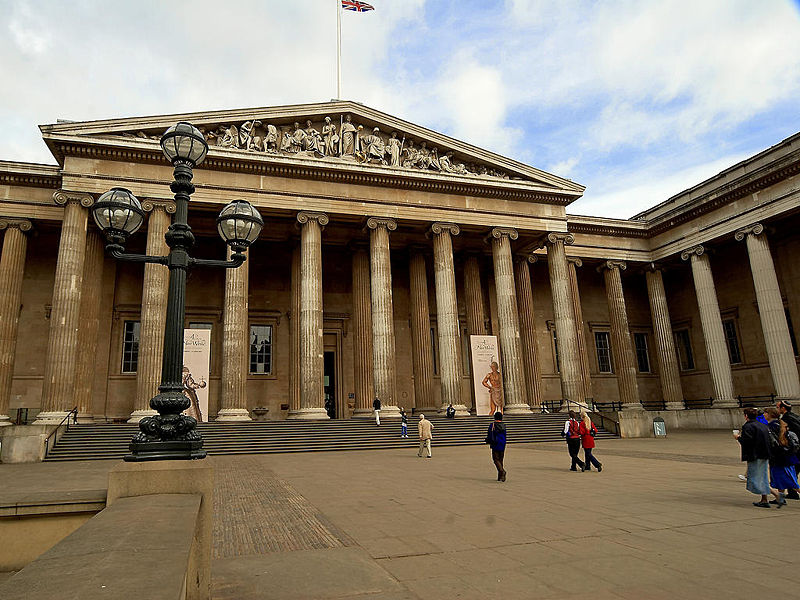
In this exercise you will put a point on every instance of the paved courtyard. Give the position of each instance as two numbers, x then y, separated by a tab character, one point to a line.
666	518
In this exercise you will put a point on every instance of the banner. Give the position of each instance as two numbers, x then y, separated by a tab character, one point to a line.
487	379
196	365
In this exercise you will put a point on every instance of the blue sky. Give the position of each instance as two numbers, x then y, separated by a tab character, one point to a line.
636	100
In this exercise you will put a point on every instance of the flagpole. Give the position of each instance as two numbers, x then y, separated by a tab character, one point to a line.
338	49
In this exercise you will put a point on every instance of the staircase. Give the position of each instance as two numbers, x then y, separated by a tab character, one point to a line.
110	441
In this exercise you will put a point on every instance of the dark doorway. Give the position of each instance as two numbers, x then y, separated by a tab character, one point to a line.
330	384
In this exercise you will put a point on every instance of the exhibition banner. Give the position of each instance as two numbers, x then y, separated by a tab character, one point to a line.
487	378
196	366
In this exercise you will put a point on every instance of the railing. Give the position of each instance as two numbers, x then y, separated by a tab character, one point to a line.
612	406
64	423
550	406
762	401
604	421
655	405
698	403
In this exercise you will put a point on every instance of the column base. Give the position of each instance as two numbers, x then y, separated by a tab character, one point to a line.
425	410
138	415
517	409
633	406
461	410
390	412
725	404
50	417
363	413
84	418
5	420
674	406
308	414
233	414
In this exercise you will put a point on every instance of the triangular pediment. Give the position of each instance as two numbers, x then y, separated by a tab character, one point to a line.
337	133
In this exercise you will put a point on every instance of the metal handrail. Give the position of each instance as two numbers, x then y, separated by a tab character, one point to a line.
698	403
603	418
740	399
74	414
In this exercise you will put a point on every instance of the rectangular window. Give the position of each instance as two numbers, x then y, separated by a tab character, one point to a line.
130	347
732	339
683	346
261	349
602	345
791	330
555	351
465	351
435	356
642	354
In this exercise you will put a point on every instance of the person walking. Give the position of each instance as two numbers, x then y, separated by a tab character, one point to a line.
376	407
754	440
403	423
783	456
572	434
793	423
588	431
425	429
496	438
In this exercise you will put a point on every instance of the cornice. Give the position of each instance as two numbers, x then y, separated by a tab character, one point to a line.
38	180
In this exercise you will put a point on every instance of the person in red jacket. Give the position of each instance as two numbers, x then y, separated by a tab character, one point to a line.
587	431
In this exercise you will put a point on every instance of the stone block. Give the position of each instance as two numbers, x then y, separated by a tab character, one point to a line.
23	443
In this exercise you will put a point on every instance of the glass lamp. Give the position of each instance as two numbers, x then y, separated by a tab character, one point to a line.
118	213
183	141
239	224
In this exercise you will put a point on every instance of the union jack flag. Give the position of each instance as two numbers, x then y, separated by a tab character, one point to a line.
356	6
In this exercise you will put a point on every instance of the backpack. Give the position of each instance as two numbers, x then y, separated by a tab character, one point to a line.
793	446
574	429
777	450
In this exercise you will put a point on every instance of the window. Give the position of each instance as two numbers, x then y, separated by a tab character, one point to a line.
435	356
683	346
602	345
130	347
208	326
261	349
465	351
555	351
791	331
642	354
732	339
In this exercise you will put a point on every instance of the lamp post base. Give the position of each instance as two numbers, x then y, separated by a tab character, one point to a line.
165	450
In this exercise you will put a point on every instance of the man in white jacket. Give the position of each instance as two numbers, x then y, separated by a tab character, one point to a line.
425	428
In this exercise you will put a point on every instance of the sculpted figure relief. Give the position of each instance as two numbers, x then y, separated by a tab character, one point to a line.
271	139
373	148
348	137
313	140
393	147
330	138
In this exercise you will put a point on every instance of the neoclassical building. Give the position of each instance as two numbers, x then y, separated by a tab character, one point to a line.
385	246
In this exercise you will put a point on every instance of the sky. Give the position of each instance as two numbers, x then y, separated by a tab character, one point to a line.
636	100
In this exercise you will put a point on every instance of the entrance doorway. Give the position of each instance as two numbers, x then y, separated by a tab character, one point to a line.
330	384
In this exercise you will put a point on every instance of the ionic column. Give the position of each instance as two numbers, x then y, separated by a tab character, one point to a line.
89	325
312	367
665	342
12	270
153	316
447	317
583	351
422	353
473	297
508	319
294	334
527	324
383	344
235	345
621	344
564	316
719	364
362	334
58	387
780	354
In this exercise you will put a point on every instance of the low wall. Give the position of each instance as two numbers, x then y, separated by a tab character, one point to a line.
23	443
639	423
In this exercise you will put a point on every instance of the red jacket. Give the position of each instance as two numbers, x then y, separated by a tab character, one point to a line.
587	439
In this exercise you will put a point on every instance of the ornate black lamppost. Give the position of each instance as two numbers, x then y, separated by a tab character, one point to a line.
171	435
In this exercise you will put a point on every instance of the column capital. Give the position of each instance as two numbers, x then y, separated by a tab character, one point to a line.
64	197
376	222
612	264
304	217
439	228
566	238
653	267
151	204
698	250
500	232
754	229
530	257
21	224
574	260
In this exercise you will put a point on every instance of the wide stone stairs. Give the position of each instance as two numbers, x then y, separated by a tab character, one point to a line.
110	441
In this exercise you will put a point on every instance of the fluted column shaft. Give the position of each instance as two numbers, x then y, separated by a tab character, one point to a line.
780	354
719	364
235	345
58	387
89	325
621	343
421	351
564	314
383	341
665	342
527	324
153	316
447	317
312	400
473	297
362	334
12	271
294	334
583	351
508	317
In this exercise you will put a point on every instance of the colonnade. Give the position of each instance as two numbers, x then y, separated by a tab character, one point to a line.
74	320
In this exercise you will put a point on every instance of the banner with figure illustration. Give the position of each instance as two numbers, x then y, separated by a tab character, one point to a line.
196	365
487	379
